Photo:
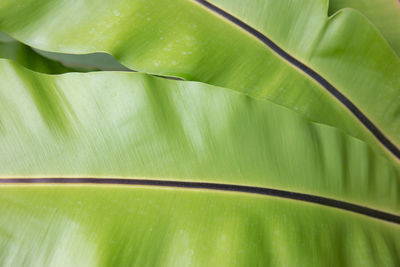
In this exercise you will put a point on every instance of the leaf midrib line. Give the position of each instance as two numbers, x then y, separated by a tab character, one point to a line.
323	201
365	121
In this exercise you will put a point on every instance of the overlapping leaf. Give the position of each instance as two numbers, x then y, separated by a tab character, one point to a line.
385	14
183	38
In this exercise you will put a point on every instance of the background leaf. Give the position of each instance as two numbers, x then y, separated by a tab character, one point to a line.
385	14
26	56
55	63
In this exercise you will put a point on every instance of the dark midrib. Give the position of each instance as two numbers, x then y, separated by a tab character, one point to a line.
314	75
377	214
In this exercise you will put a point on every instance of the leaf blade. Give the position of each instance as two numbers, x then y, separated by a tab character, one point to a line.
101	226
183	39
137	126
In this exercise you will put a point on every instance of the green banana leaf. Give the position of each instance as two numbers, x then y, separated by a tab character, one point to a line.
191	40
385	14
173	173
